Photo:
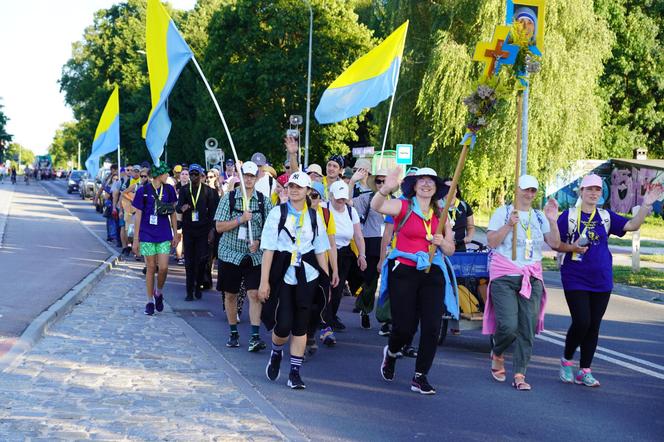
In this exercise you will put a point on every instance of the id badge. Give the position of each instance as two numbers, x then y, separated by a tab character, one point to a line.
242	233
529	250
296	259
154	220
194	216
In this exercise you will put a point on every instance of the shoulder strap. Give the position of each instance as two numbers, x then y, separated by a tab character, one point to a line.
606	219
326	215
231	202
363	219
350	213
572	221
540	217
314	221
261	207
145	195
283	214
405	218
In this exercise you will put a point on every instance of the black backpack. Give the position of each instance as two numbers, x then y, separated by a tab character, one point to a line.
261	205
283	215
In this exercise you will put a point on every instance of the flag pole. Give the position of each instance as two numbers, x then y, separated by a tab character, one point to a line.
230	140
389	117
517	171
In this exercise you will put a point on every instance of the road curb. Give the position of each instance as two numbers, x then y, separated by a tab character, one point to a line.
276	417
4	215
57	310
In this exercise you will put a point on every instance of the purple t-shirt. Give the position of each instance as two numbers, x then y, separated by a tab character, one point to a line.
162	231
594	272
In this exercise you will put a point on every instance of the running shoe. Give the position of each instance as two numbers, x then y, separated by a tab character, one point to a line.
385	329
159	302
256	344
149	308
585	377
387	366
337	325
273	368
566	374
409	351
420	385
233	340
181	261
327	336
295	381
366	322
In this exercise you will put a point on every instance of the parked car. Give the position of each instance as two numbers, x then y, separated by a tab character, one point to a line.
98	184
86	187
75	178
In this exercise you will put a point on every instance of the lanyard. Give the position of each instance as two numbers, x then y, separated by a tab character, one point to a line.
159	197
298	234
528	230
427	227
587	223
194	201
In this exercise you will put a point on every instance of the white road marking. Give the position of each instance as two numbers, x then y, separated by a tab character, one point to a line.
610	359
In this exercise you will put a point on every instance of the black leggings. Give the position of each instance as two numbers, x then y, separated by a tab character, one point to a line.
294	309
344	260
587	309
416	296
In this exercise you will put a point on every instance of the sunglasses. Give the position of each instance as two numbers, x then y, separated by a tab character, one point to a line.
287	167
144	176
194	173
314	196
380	181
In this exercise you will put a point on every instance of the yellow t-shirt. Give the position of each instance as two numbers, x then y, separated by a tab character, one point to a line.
331	228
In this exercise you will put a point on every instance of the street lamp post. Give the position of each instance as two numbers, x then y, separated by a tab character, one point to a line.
306	129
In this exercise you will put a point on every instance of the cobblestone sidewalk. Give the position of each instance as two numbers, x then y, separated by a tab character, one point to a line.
108	372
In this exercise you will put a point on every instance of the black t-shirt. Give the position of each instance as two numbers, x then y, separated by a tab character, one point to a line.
459	218
206	206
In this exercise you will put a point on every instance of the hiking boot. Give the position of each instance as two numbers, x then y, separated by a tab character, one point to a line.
366	322
273	368
585	377
385	329
256	344
387	366
327	336
149	308
420	385
159	302
233	340
566	374
295	381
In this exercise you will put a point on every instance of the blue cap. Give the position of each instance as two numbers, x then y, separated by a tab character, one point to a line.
196	167
318	187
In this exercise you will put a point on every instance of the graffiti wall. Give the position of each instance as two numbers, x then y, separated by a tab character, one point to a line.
629	184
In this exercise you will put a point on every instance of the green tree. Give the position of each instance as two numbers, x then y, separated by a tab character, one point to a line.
633	80
565	107
5	138
17	153
257	63
64	146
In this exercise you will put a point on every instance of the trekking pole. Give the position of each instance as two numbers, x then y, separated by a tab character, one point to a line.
448	201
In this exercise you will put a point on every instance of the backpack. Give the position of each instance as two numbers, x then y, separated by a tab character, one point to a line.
538	214
572	224
468	302
283	215
261	205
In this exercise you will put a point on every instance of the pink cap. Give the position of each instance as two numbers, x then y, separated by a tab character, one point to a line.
591	180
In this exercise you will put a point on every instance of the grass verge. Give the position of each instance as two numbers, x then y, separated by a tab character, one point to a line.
645	278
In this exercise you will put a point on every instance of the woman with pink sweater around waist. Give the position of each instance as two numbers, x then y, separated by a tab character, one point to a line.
516	298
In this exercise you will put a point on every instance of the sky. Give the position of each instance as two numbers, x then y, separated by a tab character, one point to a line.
35	42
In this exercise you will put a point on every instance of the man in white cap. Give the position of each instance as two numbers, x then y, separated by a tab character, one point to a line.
239	252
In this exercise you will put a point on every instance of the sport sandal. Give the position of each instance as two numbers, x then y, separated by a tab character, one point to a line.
498	367
520	383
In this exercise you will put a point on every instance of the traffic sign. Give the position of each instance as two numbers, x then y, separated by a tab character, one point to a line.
359	152
404	154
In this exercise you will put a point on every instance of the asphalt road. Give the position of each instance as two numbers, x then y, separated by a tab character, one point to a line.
346	399
45	253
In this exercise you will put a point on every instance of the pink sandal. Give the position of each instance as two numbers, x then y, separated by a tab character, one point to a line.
498	367
520	383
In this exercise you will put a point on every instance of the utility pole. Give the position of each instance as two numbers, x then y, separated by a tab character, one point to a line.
78	164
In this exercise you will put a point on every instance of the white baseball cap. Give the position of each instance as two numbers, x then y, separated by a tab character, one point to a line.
339	190
528	182
300	178
250	168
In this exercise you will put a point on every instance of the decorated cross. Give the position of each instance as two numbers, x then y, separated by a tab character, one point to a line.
495	53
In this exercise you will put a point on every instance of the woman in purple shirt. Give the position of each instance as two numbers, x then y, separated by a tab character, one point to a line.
156	232
587	270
